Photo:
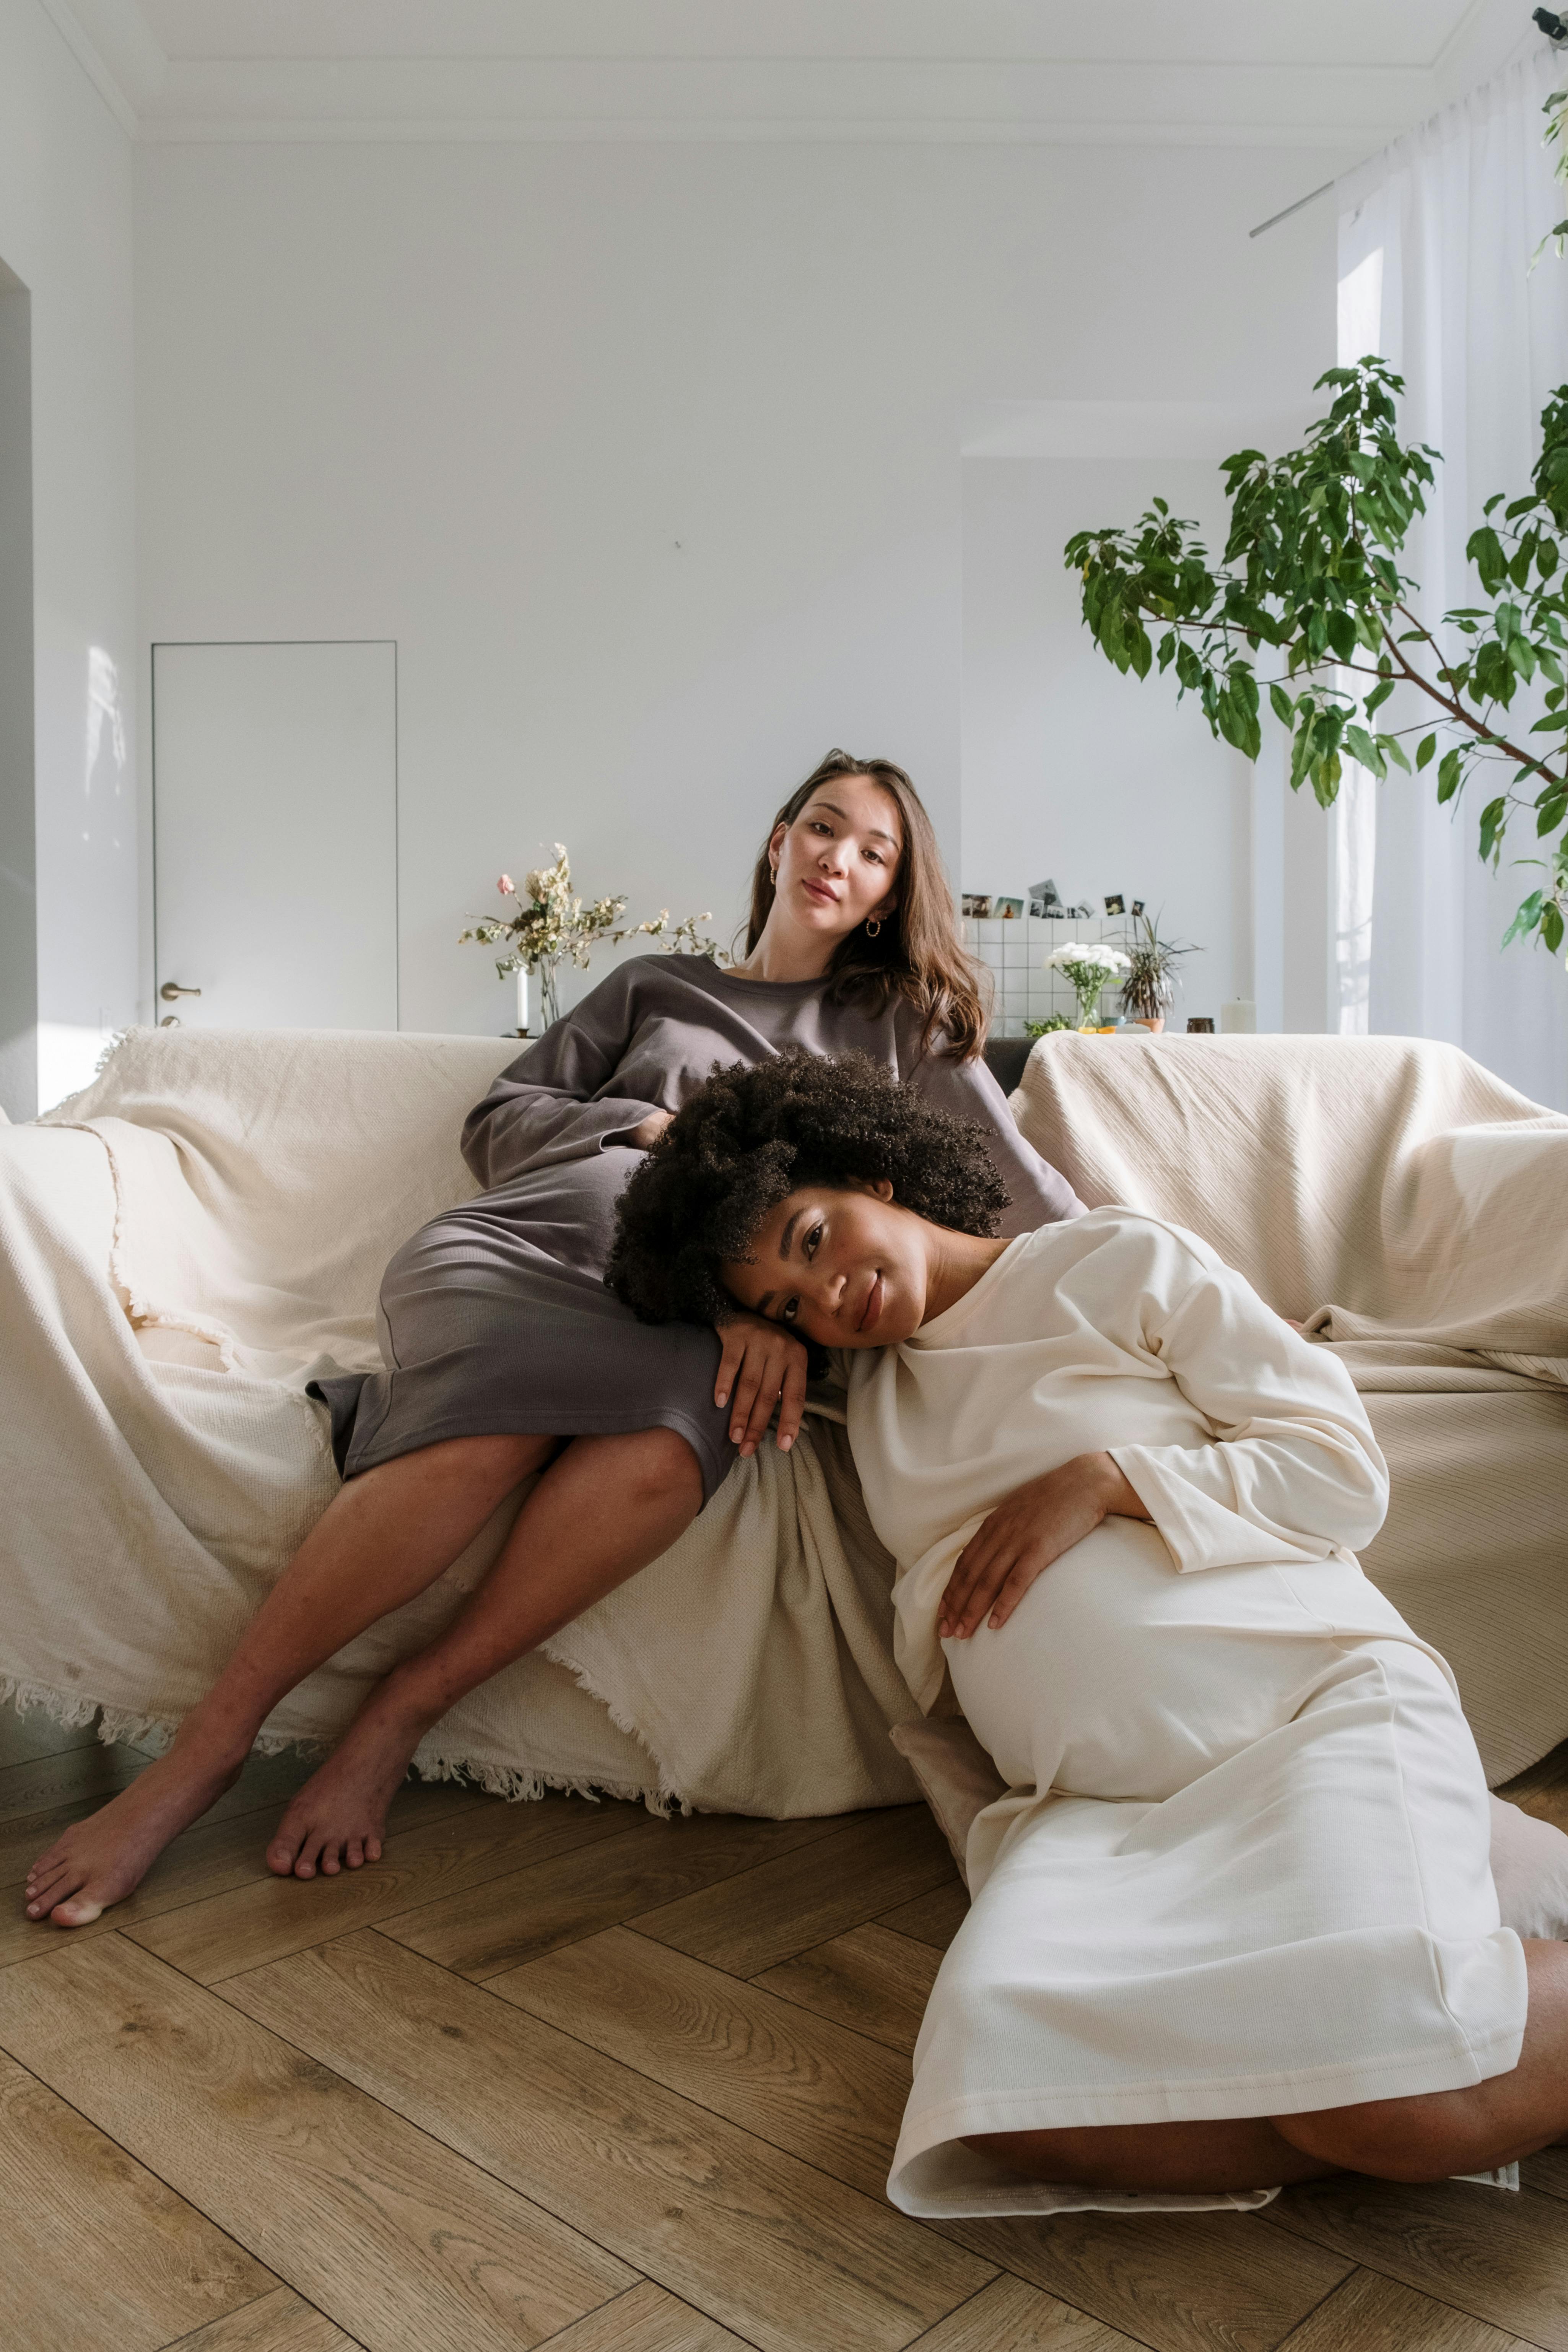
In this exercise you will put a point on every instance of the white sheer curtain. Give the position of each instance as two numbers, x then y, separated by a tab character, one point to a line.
1436	239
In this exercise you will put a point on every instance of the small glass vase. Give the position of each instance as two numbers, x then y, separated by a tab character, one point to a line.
1088	993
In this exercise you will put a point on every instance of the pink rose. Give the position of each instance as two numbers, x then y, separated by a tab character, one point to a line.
505	885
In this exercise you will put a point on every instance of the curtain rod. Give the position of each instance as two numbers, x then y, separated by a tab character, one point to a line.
1555	28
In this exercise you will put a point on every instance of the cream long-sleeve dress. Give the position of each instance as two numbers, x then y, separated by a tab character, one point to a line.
1242	1868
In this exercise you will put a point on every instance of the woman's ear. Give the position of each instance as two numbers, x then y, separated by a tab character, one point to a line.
883	1188
776	846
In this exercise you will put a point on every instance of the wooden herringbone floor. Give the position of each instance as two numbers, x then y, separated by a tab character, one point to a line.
564	2073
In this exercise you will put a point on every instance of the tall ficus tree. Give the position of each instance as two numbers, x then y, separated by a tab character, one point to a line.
1310	572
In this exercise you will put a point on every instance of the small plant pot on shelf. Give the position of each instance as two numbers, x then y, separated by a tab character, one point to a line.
1154	1025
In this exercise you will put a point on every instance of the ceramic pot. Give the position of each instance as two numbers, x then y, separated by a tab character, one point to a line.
1155	1025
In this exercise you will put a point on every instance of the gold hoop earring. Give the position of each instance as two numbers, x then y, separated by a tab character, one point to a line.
873	927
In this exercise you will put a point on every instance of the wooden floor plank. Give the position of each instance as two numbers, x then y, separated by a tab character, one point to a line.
934	1919
210	1859
23	1737
829	2096
1369	2314
761	1917
408	2247
279	2322
1177	2282
1501	2258
548	1903
272	1916
97	2254
1009	2316
646	2319
754	2238
1548	2171
872	1980
76	1778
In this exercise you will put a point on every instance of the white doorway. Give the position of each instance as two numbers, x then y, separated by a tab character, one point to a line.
275	834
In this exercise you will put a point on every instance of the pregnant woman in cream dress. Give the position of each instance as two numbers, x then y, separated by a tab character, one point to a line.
1234	1925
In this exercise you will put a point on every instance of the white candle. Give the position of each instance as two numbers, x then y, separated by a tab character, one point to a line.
522	1000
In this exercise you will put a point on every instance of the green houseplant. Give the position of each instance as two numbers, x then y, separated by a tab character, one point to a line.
1150	988
1309	571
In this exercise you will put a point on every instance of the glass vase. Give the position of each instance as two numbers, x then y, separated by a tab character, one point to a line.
1088	993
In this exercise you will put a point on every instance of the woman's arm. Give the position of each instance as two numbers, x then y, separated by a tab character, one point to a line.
1292	1474
1294	1471
542	1109
1024	1535
1038	1194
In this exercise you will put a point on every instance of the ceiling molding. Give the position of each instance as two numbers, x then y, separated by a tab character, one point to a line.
92	64
958	99
371	89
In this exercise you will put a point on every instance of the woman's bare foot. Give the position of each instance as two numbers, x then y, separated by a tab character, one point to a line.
104	1858
339	1818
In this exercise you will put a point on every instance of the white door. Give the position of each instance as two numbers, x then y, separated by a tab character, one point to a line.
275	834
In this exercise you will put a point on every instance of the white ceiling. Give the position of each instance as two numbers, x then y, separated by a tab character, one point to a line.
1288	71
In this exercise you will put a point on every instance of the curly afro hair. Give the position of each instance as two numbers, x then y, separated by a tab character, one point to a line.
751	1136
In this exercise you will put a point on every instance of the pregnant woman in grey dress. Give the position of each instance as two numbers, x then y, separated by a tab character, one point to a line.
505	1354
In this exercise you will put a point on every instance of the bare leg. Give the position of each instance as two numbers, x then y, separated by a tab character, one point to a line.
1431	2138
1491	2123
1194	2159
605	1508
386	1537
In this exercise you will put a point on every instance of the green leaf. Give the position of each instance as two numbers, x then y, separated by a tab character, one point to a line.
1484	549
1425	749
1551	926
1526	918
1395	750
1340	631
1450	776
1494	823
1361	747
1284	708
1379	696
1550	813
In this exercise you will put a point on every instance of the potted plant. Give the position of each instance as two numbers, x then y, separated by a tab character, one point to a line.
1089	968
1150	988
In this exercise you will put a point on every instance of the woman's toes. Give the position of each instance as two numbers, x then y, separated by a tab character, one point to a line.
309	1853
76	1911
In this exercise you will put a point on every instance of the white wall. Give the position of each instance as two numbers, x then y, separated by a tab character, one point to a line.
1071	770
65	232
647	455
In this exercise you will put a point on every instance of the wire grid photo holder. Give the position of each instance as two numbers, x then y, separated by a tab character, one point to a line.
1014	952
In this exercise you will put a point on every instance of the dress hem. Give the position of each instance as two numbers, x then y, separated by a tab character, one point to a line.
1411	2074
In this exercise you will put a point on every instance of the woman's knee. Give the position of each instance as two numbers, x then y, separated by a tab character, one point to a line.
1415	2139
650	1468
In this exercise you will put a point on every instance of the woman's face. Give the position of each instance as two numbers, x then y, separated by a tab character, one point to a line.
849	1269
837	863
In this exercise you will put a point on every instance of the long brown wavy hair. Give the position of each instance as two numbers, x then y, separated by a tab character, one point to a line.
919	953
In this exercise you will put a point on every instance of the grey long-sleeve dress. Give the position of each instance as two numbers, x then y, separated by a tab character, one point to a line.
495	1319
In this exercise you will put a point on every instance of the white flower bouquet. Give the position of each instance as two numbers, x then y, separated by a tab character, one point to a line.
1089	968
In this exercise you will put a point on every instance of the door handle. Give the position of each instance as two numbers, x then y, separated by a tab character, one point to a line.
171	989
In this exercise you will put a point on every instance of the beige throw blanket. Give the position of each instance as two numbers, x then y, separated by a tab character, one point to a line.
1411	1210
187	1243
184	1243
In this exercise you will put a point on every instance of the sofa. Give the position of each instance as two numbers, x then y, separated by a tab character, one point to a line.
189	1241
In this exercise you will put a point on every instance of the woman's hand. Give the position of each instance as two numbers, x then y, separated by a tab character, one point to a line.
647	1131
1023	1535
761	1365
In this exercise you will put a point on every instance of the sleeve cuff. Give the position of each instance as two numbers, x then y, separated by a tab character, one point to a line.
1198	1529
